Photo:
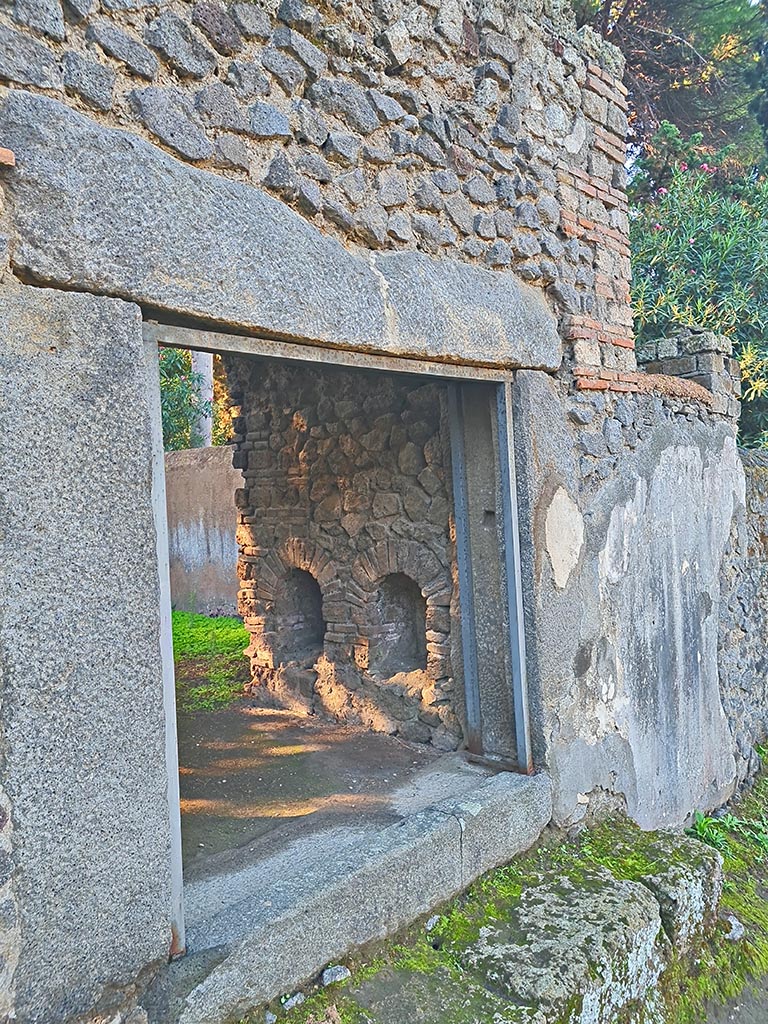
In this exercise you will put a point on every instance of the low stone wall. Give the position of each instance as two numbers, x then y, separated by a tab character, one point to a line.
200	489
743	649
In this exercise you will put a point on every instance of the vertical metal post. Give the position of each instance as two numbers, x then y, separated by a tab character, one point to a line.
464	565
511	555
166	651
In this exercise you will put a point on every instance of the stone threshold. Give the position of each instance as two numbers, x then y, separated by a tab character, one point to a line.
343	888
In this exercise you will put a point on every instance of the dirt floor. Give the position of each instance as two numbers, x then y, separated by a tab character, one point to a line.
256	776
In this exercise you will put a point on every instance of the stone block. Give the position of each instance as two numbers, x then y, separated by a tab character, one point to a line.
267	122
232	152
170	115
252	20
217	107
310	126
26	61
248	79
289	73
314	60
78	10
220	27
300	15
180	45
606	951
90	811
88	79
343	148
123	47
45	16
346	100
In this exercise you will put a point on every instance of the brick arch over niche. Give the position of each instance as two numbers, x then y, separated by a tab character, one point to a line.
410	559
291	620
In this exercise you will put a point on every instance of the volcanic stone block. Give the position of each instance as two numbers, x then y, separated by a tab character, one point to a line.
122	47
26	61
82	704
170	115
180	45
44	16
89	79
219	26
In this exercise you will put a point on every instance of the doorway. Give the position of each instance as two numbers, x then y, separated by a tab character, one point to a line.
376	495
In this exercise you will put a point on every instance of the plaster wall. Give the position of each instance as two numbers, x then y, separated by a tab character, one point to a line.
627	504
85	835
200	487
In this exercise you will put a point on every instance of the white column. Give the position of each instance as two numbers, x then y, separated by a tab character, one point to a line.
202	427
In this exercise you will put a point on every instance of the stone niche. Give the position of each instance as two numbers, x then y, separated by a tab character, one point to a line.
347	563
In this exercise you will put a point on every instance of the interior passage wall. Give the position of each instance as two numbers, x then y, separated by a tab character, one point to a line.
84	820
200	487
744	618
347	479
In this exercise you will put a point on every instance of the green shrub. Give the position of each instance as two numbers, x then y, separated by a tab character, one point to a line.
700	259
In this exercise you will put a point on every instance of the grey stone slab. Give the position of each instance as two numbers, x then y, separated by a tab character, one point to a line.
216	106
314	60
88	79
181	46
226	251
83	721
463	308
267	122
343	148
169	114
45	16
123	47
231	151
289	72
606	952
300	15
26	61
315	910
310	126
80	9
248	79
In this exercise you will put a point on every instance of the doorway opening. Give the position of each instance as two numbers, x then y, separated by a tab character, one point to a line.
352	523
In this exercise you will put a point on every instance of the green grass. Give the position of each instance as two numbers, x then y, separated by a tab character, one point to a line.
210	667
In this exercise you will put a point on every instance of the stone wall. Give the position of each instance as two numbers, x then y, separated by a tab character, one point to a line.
347	482
200	487
742	656
84	819
491	132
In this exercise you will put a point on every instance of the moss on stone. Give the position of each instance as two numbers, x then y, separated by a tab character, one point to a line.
714	968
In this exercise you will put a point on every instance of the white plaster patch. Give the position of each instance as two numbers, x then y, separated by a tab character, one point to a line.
564	533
